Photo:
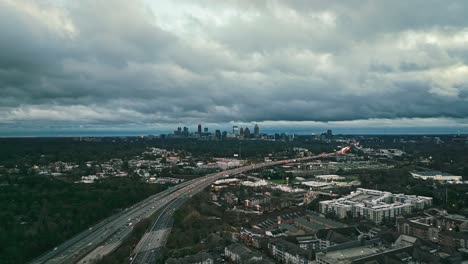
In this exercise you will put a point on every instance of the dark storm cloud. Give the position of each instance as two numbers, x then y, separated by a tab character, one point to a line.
130	62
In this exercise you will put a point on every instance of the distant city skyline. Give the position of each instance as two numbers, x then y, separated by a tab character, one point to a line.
267	130
355	66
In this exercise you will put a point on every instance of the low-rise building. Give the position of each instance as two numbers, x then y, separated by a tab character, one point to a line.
452	239
89	178
286	252
417	228
305	225
374	205
435	176
225	164
257	201
236	253
441	229
251	237
308	241
336	236
231	198
330	177
366	254
320	222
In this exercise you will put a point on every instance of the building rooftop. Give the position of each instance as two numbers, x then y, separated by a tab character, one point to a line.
376	199
291	248
432	173
330	177
322	222
343	255
338	235
309	225
238	249
315	184
305	238
289	227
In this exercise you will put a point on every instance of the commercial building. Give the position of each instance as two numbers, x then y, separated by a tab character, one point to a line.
225	164
246	132
218	134
366	255
330	177
374	205
435	176
256	131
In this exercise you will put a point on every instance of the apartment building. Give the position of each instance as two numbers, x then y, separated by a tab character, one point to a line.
374	205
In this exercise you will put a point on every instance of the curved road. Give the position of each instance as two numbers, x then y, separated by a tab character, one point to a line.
107	235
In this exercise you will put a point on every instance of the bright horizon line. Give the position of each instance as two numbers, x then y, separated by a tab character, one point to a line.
269	132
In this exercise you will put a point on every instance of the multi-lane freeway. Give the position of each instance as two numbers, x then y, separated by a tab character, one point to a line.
150	245
106	236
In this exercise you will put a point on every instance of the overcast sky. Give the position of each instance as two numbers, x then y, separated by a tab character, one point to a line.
122	65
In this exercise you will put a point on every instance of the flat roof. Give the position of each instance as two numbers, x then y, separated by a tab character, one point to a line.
432	173
351	253
364	197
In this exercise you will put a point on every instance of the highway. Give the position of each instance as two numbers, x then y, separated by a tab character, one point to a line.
148	249
106	236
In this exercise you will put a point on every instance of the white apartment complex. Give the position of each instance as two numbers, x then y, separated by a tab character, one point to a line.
374	205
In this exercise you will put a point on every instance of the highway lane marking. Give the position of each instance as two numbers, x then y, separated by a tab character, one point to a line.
194	185
98	253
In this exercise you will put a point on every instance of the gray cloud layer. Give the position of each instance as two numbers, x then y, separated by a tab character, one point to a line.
129	62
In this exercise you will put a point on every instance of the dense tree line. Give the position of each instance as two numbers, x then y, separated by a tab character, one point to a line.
37	213
198	225
42	151
452	197
450	156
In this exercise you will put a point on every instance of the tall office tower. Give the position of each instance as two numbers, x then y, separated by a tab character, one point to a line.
241	132
179	131
199	130
224	136
186	132
235	130
218	134
256	130
329	134
205	130
246	132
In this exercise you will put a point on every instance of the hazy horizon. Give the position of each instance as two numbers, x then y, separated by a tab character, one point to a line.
297	131
88	66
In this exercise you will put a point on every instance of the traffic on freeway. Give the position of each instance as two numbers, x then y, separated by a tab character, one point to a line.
106	236
149	246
